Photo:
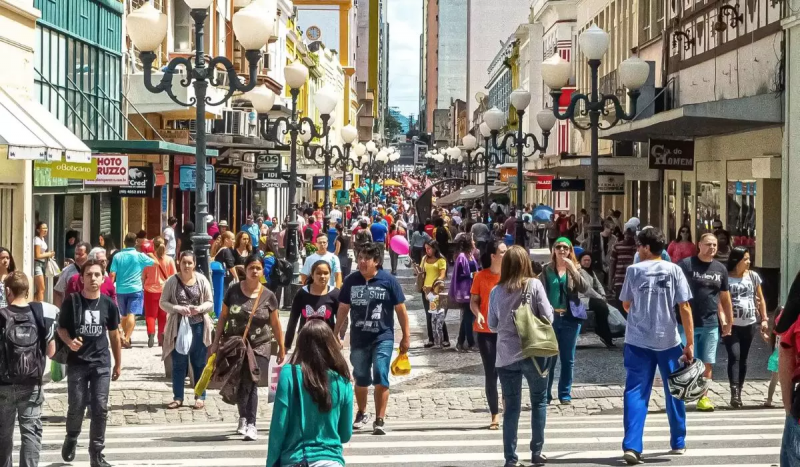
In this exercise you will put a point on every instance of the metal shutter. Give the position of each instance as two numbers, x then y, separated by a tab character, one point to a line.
105	213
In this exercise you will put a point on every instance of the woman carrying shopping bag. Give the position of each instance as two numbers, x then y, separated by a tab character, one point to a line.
187	296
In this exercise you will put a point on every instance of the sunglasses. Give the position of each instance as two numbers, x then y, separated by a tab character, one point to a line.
562	247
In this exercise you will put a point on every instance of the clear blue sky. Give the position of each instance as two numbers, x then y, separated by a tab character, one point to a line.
405	26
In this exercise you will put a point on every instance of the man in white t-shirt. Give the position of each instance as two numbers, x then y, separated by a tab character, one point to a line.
336	215
169	236
336	269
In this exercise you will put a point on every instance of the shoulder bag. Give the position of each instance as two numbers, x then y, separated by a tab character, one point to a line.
62	349
536	333
574	303
420	279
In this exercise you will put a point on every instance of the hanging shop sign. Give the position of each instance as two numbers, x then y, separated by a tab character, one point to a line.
671	155
74	170
187	177
611	184
269	165
337	184
544	182
228	175
568	184
342	197
112	170
319	182
141	183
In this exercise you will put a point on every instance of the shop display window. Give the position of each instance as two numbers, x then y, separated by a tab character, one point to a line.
741	210
708	207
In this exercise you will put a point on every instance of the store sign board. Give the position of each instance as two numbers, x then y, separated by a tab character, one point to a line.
611	184
269	166
342	197
544	182
141	183
74	170
568	184
112	170
319	182
671	155
337	184
188	174
228	175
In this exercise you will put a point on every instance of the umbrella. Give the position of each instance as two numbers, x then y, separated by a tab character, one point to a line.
542	213
392	183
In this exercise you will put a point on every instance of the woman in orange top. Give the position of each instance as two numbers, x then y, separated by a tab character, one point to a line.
482	285
154	278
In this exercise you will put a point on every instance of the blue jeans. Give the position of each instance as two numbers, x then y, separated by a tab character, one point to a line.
180	363
790	446
567	331
511	383
640	365
371	364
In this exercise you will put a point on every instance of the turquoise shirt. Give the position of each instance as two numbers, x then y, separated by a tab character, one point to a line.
553	285
323	433
128	265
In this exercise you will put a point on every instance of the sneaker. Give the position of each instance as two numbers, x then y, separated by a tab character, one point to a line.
377	427
362	418
705	404
250	433
677	452
98	460
68	449
565	401
240	428
632	457
514	464
151	340
539	460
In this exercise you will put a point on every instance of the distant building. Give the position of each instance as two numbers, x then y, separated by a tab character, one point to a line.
404	121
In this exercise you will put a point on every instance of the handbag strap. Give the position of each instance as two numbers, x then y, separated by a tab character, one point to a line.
300	405
253	311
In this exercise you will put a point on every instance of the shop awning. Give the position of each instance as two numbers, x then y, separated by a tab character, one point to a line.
31	132
469	193
145	147
248	143
143	101
634	168
703	119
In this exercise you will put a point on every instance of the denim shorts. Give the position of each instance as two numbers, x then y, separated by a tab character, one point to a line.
706	340
38	268
377	358
131	303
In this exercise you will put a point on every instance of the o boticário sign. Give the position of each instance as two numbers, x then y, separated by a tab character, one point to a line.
74	170
112	170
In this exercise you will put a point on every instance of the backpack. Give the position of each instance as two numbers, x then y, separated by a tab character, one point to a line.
21	350
281	274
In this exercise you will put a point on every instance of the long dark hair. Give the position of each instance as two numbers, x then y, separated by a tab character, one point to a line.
736	256
322	262
464	244
318	352
437	252
108	242
11	265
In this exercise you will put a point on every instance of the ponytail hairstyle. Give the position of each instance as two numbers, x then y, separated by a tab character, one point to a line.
160	247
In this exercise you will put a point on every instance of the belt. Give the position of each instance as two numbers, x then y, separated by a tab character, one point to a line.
560	312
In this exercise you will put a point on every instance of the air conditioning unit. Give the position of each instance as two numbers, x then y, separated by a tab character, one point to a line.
234	122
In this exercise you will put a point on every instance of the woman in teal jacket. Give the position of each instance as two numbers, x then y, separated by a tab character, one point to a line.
313	413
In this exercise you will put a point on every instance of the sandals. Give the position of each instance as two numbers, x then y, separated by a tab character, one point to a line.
199	404
494	426
174	405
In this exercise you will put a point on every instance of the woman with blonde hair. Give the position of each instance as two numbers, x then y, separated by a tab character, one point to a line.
243	247
154	278
563	282
517	285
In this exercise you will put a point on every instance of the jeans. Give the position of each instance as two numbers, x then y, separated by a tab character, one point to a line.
465	329
25	404
88	385
790	446
247	401
393	260
738	348
567	331
427	305
487	344
180	363
640	367
511	382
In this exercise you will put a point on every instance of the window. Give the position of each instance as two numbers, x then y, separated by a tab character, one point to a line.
182	27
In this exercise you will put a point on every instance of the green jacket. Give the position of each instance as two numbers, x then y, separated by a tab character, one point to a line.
323	434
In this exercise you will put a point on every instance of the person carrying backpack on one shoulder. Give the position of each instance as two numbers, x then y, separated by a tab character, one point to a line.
26	336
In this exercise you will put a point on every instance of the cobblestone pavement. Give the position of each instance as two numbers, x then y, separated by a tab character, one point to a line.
443	384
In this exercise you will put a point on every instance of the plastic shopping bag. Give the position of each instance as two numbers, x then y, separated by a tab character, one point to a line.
205	378
51	268
616	322
184	341
57	371
401	365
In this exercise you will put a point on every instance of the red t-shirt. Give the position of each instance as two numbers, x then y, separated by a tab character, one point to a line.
107	288
389	219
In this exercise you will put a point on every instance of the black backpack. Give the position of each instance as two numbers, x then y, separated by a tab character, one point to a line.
21	349
281	274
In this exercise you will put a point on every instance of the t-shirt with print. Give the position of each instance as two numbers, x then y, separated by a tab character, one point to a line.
706	280
97	316
307	306
239	308
654	288
329	258
371	307
743	297
128	266
482	285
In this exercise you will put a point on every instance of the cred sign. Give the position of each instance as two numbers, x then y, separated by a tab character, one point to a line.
112	170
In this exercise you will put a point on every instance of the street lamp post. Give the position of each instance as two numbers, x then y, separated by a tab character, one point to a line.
486	133
556	73
495	118
147	28
367	166
470	143
329	159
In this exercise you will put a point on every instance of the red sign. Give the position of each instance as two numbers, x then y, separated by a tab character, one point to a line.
544	182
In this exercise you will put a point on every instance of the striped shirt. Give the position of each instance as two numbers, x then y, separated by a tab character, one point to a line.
622	256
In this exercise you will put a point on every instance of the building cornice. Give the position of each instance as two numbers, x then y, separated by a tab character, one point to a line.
27	12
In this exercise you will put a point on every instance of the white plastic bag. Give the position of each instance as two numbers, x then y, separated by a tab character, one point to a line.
616	322
184	341
51	268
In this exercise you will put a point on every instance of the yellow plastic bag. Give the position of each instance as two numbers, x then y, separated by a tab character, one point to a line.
202	383
401	365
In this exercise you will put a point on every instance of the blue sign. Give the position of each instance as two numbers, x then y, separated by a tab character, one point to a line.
318	182
187	179
164	199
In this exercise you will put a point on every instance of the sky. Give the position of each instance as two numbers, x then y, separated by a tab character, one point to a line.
405	26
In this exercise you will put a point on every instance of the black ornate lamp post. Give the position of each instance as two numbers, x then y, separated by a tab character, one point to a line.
364	161
147	28
495	118
556	73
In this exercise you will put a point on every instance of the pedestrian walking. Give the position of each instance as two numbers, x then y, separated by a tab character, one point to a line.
460	285
787	328
126	272
372	297
723	245
313	403
482	285
249	310
651	291
682	247
107	243
516	284
417	243
243	247
41	255
107	288
170	238
252	230
749	318
187	295
563	283
315	300
88	321
595	299
434	268
154	278
81	254
323	254
226	256
7	266
342	251
186	243
21	394
622	255
711	306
